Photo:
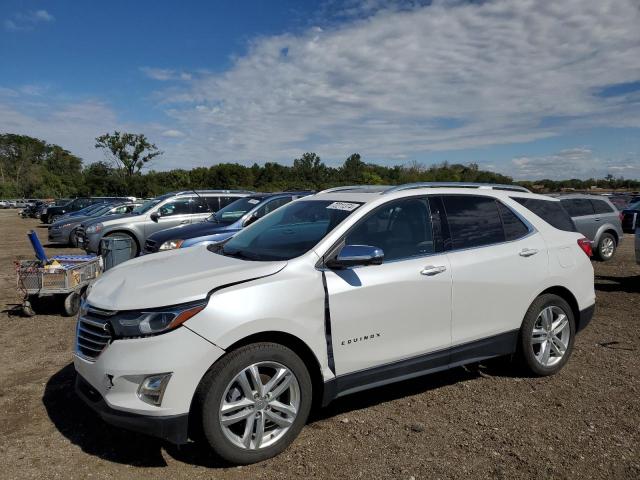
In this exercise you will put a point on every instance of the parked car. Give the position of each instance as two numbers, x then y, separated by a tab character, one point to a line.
597	219
637	245
54	213
223	224
64	230
4	204
334	293
629	217
166	211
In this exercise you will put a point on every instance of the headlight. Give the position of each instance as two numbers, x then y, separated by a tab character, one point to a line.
94	228
171	244
140	323
66	225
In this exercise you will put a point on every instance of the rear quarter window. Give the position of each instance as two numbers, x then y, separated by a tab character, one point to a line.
600	206
578	207
550	211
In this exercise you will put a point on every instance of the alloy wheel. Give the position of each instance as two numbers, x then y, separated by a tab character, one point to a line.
550	336
607	247
259	405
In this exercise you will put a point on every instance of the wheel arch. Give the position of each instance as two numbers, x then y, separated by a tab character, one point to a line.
298	346
125	231
567	296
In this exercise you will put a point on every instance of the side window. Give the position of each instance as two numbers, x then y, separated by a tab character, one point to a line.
402	229
550	211
271	206
600	206
578	207
514	228
180	206
213	203
122	209
199	205
473	221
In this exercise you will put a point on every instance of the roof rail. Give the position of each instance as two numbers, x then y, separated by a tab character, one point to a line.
185	192
488	186
354	187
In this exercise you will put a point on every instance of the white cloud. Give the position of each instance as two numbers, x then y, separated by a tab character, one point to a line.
27	21
172	133
165	74
579	162
417	80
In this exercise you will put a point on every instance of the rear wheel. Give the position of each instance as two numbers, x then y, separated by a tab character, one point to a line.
547	335
606	247
254	402
73	240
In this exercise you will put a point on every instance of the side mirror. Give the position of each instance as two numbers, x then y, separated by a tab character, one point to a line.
354	255
154	216
252	218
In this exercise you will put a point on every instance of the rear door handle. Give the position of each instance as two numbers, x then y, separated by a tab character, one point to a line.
184	221
597	219
528	252
431	270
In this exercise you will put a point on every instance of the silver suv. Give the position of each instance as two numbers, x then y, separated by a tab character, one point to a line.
597	219
166	211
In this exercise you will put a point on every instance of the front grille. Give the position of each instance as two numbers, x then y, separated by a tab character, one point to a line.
93	332
150	246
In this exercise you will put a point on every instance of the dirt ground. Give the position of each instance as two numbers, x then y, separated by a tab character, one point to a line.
483	421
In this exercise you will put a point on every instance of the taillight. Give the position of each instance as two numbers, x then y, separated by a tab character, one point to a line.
585	245
621	215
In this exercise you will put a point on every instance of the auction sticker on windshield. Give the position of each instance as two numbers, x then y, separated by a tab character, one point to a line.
346	206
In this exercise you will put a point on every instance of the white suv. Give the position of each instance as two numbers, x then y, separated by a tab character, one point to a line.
342	291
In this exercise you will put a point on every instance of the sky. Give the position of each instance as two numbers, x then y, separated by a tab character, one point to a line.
526	88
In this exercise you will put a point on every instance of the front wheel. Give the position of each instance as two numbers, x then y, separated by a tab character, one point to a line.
547	335
254	402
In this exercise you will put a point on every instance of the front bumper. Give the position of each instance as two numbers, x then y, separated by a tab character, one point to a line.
113	379
90	242
57	236
174	428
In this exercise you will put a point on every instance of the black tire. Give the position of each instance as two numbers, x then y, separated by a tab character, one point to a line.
603	252
134	244
525	353
73	240
27	309
71	304
221	374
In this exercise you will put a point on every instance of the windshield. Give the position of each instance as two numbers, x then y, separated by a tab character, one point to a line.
146	206
234	210
88	210
634	206
289	231
101	209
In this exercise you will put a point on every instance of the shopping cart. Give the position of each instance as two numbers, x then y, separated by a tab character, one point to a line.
62	275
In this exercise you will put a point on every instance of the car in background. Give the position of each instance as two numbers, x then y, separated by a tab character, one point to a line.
166	211
4	204
64	230
597	219
221	225
629	217
54	213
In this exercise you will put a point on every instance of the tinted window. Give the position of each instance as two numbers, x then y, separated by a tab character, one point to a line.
402	229
272	205
514	228
550	211
473	221
224	201
578	207
200	205
600	206
213	203
235	210
177	207
290	231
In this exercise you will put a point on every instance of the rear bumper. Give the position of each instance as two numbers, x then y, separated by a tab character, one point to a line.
585	317
173	428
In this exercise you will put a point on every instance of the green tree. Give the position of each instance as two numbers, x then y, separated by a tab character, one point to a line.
130	151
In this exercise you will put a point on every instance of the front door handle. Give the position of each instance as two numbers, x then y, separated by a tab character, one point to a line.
528	252
431	270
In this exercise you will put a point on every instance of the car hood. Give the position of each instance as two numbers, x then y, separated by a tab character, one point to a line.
66	220
104	219
172	277
184	232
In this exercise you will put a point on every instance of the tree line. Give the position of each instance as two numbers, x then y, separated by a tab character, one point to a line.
33	168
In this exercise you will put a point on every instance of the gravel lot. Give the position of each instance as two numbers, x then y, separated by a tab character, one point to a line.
479	421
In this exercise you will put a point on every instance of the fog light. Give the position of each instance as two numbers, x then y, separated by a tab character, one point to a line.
152	388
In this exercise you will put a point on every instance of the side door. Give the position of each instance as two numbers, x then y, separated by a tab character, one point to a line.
498	261
400	309
583	215
170	214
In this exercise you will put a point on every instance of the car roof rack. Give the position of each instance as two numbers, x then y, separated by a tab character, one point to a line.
487	186
185	192
356	188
